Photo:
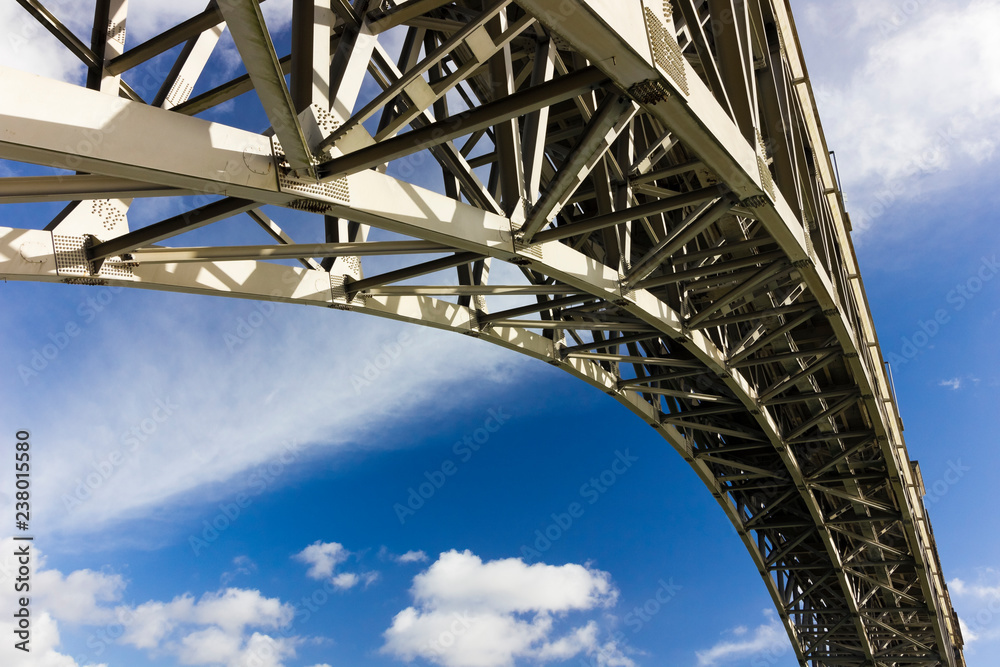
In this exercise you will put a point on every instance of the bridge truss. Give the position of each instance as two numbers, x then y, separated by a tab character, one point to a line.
654	171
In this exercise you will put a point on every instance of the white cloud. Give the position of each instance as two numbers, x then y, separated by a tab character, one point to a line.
212	630
148	17
207	424
412	557
959	587
921	106
967	633
27	46
458	580
221	627
322	557
213	647
44	642
238	405
954	383
234	609
770	637
978	607
74	599
77	598
84	589
151	622
208	646
243	565
468	613
345	580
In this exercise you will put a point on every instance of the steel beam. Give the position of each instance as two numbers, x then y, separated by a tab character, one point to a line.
625	215
288	251
445	130
24	189
246	23
185	222
603	129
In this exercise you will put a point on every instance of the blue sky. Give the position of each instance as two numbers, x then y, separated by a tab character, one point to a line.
224	482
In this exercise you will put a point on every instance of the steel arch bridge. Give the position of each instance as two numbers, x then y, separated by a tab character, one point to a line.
656	172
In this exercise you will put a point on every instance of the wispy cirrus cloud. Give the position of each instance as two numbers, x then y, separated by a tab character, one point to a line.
209	413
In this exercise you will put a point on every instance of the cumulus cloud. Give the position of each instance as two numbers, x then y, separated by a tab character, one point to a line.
44	643
968	634
959	587
219	628
978	605
345	580
468	613
954	383
78	597
322	557
412	557
225	627
769	637
74	598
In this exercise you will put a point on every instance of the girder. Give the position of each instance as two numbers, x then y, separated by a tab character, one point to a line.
658	177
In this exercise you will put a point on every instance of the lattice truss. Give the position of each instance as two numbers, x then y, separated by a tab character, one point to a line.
650	179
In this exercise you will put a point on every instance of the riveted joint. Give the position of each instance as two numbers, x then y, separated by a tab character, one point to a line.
755	201
649	91
831	312
94	265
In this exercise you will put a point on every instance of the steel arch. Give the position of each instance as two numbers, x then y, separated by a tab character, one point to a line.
657	172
